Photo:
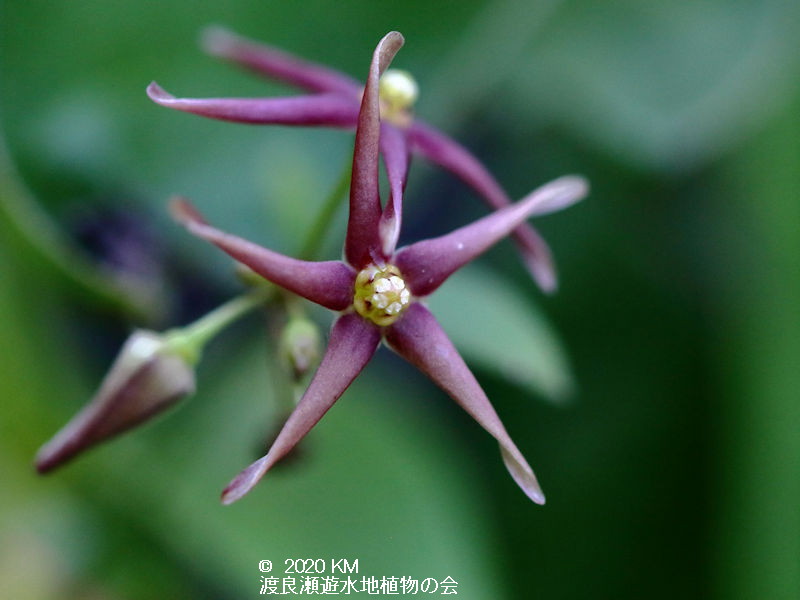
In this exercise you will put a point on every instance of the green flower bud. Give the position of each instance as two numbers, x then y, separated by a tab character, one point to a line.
300	345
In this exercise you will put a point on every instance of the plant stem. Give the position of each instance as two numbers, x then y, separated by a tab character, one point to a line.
31	228
197	334
317	232
191	339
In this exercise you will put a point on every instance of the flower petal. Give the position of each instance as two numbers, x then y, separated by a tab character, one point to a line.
277	64
419	339
320	109
395	151
352	343
447	153
427	264
363	241
329	283
144	380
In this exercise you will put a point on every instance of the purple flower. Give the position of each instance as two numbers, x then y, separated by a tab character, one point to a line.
378	289
334	101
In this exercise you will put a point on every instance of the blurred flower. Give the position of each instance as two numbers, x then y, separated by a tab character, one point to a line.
378	289
334	102
149	375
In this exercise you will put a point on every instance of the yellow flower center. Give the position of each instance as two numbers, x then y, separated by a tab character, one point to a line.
380	294
398	93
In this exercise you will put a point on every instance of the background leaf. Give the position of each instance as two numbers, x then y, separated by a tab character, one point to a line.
497	328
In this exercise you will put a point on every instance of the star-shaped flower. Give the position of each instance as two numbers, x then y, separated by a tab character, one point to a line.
334	101
378	290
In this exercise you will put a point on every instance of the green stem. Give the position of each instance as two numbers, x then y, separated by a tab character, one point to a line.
191	339
31	228
318	229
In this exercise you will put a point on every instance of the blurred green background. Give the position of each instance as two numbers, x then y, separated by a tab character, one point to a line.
656	395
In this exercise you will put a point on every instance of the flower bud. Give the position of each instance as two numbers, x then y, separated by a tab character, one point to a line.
300	345
148	376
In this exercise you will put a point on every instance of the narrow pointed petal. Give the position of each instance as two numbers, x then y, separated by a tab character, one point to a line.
320	109
447	153
395	151
427	264
419	339
537	257
277	64
329	284
352	343
362	242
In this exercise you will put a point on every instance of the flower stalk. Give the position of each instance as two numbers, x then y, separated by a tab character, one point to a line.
324	218
190	340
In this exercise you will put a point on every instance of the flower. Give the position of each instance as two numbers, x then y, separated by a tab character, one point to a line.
378	290
334	101
150	374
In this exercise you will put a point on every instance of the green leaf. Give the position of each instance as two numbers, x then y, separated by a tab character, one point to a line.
663	84
497	329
